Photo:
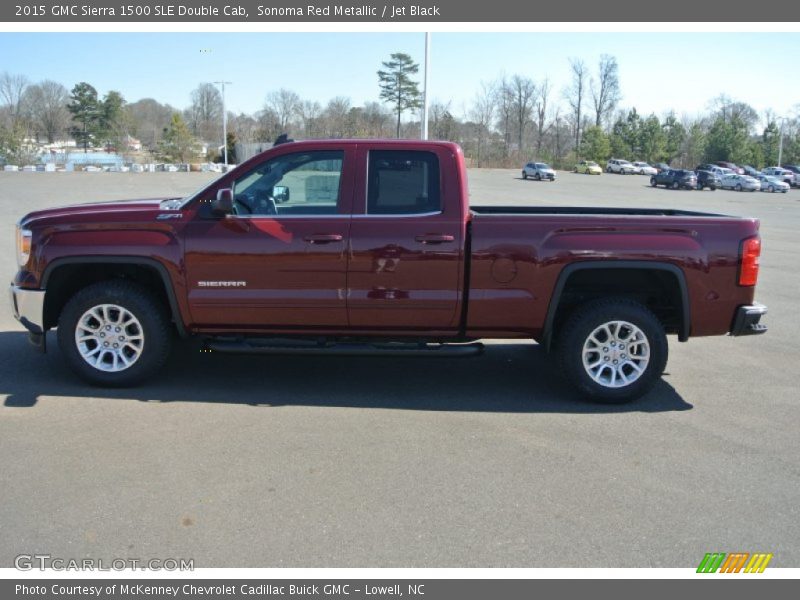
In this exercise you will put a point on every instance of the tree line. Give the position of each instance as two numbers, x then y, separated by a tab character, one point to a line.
510	120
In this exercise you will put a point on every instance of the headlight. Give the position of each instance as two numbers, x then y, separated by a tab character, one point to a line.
23	246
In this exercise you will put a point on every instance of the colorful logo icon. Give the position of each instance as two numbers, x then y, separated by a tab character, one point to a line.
737	562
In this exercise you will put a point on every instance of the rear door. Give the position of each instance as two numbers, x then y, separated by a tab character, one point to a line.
280	261
406	240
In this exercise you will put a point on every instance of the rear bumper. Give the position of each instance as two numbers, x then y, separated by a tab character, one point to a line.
28	309
746	321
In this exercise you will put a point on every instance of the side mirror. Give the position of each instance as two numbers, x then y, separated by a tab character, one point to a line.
223	204
280	193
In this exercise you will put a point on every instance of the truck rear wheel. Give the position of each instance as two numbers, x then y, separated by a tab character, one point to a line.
613	350
114	334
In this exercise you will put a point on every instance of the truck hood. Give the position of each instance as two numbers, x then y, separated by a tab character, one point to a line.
120	210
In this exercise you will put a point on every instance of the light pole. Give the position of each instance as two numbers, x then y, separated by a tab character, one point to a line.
425	88
222	84
780	141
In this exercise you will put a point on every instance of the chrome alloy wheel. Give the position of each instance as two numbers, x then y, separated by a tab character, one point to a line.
109	338
616	354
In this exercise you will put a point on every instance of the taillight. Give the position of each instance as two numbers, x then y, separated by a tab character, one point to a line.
751	251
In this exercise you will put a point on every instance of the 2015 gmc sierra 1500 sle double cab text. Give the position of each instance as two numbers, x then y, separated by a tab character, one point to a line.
364	245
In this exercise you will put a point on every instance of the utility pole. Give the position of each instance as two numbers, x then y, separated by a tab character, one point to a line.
425	88
222	84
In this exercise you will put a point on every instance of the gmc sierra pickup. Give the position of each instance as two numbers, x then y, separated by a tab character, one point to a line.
371	246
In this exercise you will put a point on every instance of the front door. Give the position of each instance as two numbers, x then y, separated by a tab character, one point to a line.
280	260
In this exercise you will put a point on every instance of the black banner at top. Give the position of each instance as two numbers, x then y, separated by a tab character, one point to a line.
388	11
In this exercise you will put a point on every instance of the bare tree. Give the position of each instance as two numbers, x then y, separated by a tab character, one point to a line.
285	104
46	106
12	90
149	119
377	119
523	91
335	116
244	127
205	113
575	95
730	109
605	92
542	98
504	100
482	113
309	113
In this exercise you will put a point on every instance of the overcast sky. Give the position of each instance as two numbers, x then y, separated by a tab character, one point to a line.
658	72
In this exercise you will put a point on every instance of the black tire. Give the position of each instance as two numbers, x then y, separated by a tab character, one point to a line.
675	185
738	188
713	188
524	175
588	318
699	187
771	189
653	182
537	177
156	331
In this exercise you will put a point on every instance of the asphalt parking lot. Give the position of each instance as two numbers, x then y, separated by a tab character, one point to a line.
238	461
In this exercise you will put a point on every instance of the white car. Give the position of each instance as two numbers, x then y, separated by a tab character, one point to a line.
538	171
781	173
623	167
642	168
740	183
770	183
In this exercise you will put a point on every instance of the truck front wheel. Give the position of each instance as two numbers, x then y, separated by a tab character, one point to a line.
114	334
613	350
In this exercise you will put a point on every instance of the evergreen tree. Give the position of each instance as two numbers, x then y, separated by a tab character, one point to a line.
86	113
178	144
396	85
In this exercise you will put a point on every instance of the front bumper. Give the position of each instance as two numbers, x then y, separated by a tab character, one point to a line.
746	321
28	309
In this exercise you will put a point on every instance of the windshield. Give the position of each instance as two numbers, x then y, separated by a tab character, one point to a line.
542	166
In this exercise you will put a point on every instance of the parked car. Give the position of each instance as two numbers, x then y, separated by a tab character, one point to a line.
740	183
675	179
600	287
781	173
619	166
729	165
538	171
770	183
588	167
796	170
751	171
707	179
642	168
660	166
715	169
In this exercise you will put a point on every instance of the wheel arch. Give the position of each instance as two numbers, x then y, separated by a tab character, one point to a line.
63	277
560	305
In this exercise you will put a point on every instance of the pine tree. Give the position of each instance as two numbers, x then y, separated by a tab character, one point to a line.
396	85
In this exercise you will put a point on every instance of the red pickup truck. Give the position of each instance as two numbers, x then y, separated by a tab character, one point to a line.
371	246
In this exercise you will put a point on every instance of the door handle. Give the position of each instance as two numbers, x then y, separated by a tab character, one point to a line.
323	238
435	238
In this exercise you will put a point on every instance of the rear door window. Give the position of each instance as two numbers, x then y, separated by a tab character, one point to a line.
403	182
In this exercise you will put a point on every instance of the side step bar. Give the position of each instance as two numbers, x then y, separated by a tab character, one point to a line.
396	349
